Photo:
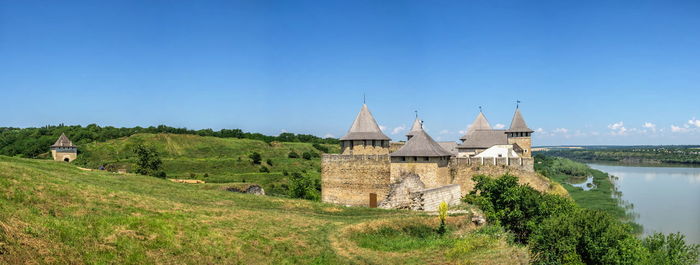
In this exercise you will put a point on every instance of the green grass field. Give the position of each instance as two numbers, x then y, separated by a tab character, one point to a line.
53	212
222	159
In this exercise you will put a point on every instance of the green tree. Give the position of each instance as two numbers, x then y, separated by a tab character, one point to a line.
671	249
148	161
293	154
304	187
256	157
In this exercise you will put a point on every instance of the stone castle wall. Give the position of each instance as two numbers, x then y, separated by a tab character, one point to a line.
349	179
463	169
524	142
433	173
362	148
61	156
430	199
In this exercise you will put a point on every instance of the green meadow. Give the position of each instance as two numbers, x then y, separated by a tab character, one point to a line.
53	212
223	160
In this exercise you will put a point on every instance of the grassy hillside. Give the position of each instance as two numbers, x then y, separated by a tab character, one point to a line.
53	212
222	159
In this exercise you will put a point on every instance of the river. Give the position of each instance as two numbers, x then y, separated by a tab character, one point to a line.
666	199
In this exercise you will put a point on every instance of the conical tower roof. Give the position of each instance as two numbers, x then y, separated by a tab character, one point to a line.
417	126
365	127
63	141
518	124
421	144
479	124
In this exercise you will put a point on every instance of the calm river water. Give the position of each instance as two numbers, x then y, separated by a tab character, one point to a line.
667	199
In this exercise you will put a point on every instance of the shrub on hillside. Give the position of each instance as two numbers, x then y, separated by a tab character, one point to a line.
320	147
517	208
255	157
559	232
671	249
269	162
304	187
148	161
310	155
293	154
264	169
586	237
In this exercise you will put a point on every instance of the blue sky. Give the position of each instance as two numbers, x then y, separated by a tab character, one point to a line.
587	72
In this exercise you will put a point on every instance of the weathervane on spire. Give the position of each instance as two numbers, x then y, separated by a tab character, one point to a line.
517	104
416	113
364	98
480	109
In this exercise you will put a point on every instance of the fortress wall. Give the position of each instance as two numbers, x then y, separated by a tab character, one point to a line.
61	156
524	142
430	199
349	179
463	169
359	148
433	173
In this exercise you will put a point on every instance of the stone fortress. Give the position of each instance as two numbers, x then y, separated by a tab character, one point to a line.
420	173
64	150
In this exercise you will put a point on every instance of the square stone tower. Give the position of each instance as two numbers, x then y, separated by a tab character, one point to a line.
519	134
64	150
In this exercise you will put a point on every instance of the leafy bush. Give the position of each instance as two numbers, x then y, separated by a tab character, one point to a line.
671	249
293	154
264	169
442	210
269	162
304	187
310	155
320	147
148	161
586	237
559	232
517	208
160	174
256	157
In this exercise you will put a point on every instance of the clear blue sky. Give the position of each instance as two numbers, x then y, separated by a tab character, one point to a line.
587	72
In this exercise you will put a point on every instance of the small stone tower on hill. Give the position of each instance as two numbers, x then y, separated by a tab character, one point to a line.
365	137
64	150
519	134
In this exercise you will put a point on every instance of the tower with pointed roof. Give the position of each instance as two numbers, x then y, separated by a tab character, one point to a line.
365	137
479	137
519	134
64	150
423	156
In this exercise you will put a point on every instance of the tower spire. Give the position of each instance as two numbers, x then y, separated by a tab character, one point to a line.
364	98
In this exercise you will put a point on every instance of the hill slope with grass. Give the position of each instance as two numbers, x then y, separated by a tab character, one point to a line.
221	159
53	212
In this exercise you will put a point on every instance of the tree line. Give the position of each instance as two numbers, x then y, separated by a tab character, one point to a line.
32	142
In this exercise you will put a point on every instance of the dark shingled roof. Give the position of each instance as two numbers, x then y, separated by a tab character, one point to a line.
417	126
518	124
63	141
421	144
449	147
479	124
484	139
365	127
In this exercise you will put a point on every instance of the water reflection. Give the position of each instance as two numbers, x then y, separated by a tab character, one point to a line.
665	199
